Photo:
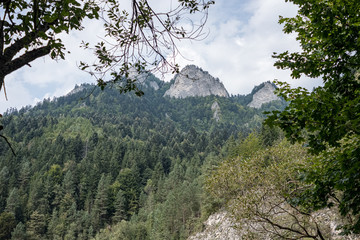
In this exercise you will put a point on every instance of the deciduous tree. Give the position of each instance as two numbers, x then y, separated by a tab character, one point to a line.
258	189
328	118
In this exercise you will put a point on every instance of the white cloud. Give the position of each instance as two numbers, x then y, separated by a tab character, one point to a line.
18	95
239	50
48	78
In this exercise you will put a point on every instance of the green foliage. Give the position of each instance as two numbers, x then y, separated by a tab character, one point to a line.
329	116
7	224
247	146
19	232
328	32
36	226
70	128
124	230
13	204
336	168
257	189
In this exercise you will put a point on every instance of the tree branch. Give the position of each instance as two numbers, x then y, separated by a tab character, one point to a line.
2	21
287	228
19	44
25	59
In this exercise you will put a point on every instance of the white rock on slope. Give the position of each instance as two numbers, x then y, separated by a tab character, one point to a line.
219	226
215	108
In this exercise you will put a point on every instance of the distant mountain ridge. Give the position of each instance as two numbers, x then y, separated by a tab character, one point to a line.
192	81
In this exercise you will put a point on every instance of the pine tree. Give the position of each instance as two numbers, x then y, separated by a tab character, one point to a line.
25	173
68	188
91	232
4	181
120	207
13	204
129	183
36	226
83	223
71	233
7	224
101	204
157	174
36	195
19	232
56	226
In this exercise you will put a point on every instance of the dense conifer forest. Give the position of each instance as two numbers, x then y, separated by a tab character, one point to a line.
98	162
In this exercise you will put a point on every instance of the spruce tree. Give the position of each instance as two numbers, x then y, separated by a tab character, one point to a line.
4	180
101	204
120	207
13	204
36	226
19	232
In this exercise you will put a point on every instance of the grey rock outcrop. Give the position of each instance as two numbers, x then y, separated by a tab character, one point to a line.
143	79
215	108
219	226
76	89
264	95
222	226
192	81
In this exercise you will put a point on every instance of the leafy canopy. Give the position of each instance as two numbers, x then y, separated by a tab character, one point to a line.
328	117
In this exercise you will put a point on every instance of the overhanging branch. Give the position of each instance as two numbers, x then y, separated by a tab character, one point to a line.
24	59
21	43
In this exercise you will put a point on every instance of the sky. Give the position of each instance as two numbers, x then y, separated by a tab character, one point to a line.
242	36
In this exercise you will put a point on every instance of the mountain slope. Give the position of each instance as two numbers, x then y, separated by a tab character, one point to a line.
94	159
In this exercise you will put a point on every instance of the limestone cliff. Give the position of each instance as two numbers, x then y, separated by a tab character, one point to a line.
264	95
192	81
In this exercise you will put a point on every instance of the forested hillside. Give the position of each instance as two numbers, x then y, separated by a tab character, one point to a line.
99	161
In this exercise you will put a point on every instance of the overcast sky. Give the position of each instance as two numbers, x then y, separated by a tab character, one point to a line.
243	34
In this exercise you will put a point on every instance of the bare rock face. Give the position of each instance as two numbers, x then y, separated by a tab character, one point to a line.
219	226
264	95
76	89
142	79
192	81
215	108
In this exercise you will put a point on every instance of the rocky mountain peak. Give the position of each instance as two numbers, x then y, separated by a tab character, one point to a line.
263	95
192	81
